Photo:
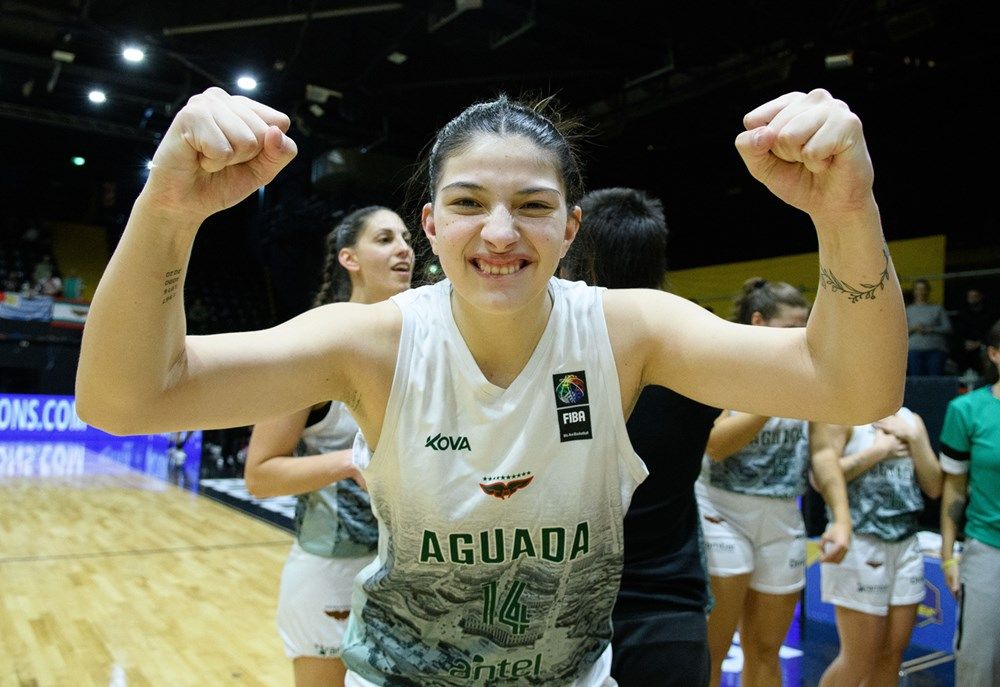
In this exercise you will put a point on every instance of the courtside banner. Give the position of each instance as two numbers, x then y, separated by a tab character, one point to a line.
30	416
70	315
17	306
37	417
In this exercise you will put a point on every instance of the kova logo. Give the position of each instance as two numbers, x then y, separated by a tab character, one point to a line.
440	442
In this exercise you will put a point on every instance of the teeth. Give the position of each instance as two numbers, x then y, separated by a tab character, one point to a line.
496	269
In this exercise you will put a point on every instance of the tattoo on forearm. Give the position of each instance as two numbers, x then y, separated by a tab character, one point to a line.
861	292
170	282
956	511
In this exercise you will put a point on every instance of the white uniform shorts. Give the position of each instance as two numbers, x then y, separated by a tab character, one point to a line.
314	602
760	535
875	574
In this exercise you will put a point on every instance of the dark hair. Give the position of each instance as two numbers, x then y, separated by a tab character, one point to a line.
536	118
622	242
336	284
540	122
992	339
765	297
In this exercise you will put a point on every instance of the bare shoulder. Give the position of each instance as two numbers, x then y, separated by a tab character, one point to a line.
643	328
638	316
330	349
358	345
380	320
350	327
621	305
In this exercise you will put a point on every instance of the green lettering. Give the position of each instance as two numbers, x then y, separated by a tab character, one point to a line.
461	555
484	538
523	546
461	669
480	669
553	551
430	548
581	541
521	668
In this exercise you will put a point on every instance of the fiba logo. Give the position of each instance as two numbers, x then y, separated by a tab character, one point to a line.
572	405
571	389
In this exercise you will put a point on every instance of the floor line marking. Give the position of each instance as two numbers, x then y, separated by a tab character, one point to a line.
141	552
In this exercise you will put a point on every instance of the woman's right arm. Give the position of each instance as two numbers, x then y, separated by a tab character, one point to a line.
955	456
272	470
953	498
731	432
138	372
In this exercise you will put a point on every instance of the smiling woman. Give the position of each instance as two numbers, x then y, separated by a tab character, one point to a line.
368	259
488	355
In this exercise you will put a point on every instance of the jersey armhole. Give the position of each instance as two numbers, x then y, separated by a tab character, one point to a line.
634	464
390	421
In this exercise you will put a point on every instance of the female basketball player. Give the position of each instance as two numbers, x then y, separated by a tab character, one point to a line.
492	405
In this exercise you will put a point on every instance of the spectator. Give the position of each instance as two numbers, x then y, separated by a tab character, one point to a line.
73	285
198	316
175	451
929	327
51	286
971	323
42	271
11	282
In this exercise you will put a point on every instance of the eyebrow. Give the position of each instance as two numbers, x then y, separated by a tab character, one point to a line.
468	185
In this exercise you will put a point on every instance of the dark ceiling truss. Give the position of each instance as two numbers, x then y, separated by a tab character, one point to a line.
88	125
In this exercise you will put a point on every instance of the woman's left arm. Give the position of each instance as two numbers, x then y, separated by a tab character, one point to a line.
809	150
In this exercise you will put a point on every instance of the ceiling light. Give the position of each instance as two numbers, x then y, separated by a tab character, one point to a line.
246	83
132	53
320	94
149	164
97	96
397	57
63	56
78	161
839	60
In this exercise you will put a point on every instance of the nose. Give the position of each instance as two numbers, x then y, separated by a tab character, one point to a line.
402	248
499	230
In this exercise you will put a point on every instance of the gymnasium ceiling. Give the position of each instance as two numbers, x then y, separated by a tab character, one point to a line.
662	86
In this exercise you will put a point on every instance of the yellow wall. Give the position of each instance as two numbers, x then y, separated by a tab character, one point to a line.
716	286
81	249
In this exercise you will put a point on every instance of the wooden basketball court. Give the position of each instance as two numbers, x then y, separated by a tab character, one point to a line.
112	577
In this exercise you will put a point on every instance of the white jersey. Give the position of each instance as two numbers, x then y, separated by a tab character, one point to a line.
775	463
335	521
885	500
500	510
